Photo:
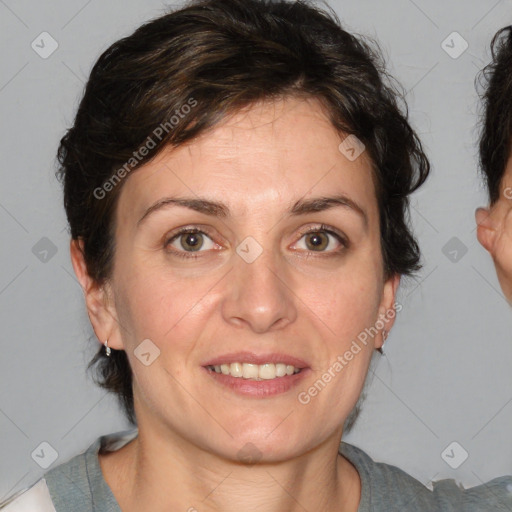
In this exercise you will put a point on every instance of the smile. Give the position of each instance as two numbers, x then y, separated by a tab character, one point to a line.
265	371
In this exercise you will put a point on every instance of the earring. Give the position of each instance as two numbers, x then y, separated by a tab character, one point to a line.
384	338
108	350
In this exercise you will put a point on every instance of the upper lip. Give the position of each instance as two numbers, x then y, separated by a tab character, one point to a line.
252	358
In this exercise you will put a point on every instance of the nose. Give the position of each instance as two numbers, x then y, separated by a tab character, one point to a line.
259	295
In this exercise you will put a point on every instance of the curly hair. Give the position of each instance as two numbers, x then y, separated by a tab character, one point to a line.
496	122
225	55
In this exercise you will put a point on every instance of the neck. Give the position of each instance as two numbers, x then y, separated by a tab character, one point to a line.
157	471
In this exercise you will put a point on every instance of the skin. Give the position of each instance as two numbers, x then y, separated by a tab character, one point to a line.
494	232
307	303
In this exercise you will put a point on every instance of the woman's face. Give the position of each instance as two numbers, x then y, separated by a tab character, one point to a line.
245	283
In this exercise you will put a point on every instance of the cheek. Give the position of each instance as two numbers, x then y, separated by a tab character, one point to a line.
346	304
154	303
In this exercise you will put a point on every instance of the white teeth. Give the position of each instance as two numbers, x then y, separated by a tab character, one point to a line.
280	370
265	371
236	370
249	371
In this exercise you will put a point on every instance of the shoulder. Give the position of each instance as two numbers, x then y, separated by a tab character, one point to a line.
390	488
66	483
34	499
74	485
385	487
79	485
494	495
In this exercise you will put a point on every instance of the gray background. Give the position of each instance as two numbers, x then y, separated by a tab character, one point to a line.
447	373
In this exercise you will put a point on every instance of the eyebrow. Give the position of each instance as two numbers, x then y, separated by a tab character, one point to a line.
221	210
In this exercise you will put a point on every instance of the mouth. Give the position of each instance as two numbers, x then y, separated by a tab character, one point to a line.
266	371
263	375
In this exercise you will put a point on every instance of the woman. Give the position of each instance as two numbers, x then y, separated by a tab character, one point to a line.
236	182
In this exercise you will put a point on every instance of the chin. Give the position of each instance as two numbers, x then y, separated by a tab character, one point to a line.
269	440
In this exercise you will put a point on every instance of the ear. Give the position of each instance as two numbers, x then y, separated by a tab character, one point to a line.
387	309
486	230
98	300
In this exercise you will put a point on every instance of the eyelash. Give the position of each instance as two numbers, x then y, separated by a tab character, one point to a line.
323	228
184	254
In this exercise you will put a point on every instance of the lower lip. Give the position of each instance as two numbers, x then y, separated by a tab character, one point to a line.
259	388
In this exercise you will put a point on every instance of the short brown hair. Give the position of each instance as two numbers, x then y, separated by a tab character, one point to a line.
226	55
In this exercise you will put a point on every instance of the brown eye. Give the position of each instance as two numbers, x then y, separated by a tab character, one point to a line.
322	240
317	241
191	241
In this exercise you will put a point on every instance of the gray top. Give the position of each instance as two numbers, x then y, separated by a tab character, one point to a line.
78	485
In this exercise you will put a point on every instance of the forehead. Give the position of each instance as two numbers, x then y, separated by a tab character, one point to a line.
268	154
